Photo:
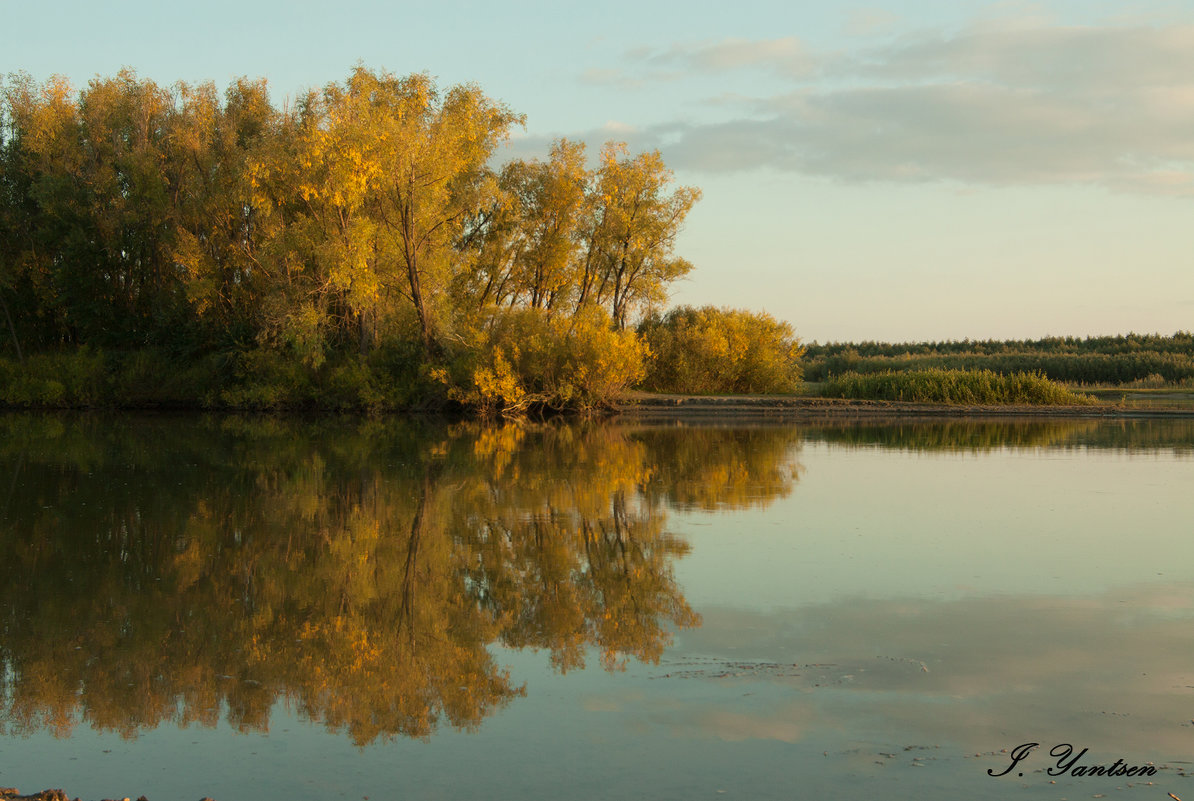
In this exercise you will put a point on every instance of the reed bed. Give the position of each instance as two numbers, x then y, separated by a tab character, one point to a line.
957	387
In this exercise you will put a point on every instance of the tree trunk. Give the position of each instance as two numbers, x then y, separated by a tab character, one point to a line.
16	343
366	334
416	295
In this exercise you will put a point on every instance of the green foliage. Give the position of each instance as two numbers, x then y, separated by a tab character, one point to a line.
62	380
1094	360
710	350
267	379
953	387
154	378
24	386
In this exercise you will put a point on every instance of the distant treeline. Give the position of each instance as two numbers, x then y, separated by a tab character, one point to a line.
1092	360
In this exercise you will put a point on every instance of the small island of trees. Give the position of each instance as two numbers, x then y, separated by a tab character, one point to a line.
357	248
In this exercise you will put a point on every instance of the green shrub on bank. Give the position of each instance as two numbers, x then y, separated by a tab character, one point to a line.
953	387
56	380
514	361
153	378
714	351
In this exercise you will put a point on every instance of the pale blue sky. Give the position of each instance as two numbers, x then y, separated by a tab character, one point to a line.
921	170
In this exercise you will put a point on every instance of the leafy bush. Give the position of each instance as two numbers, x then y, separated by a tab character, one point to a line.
152	377
953	387
711	350
268	379
521	359
75	378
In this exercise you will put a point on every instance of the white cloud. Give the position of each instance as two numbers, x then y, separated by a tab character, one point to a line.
870	21
786	56
1081	58
610	77
996	103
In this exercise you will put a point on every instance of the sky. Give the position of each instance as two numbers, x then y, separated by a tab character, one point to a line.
923	170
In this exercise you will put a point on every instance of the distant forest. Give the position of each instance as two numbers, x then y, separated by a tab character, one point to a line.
1091	360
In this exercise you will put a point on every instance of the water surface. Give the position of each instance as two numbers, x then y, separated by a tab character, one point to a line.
247	608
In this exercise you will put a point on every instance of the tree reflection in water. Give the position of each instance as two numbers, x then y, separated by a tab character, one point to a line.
161	570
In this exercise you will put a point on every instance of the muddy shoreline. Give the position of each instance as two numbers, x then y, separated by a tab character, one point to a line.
642	407
13	794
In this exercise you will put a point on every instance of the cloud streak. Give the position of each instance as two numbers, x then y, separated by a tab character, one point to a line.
993	104
786	56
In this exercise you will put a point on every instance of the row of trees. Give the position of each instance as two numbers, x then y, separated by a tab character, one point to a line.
1181	342
369	214
1078	368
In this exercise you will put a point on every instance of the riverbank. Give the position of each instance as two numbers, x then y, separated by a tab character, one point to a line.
648	407
13	794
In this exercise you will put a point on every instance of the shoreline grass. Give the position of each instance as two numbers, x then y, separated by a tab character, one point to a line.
954	387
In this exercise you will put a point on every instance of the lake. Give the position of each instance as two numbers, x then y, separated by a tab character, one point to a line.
248	608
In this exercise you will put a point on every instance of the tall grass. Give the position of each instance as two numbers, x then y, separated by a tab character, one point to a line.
954	387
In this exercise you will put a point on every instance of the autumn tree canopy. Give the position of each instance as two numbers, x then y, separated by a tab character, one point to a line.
369	215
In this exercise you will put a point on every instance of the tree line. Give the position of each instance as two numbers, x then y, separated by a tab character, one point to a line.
1105	359
1181	342
360	232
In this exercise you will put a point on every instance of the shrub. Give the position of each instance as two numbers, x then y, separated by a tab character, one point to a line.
153	377
74	378
268	379
711	350
520	359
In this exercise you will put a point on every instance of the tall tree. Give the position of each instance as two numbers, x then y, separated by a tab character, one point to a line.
42	156
97	174
386	171
633	224
432	175
123	125
218	238
13	212
526	238
551	198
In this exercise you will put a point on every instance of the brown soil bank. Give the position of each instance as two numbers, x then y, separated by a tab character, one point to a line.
13	794
646	407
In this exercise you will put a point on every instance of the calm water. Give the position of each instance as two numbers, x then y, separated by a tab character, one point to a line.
248	609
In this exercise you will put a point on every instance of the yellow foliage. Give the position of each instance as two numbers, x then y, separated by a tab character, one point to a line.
712	350
526	357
